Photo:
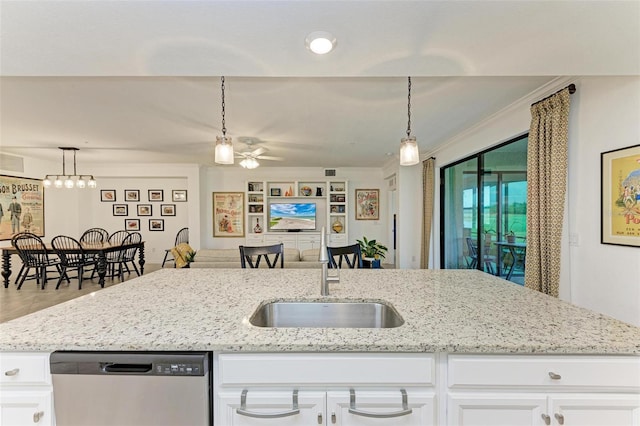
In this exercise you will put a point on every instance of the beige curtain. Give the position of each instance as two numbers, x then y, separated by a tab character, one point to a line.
546	182
428	182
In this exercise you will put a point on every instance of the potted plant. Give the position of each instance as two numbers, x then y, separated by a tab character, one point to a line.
511	237
372	251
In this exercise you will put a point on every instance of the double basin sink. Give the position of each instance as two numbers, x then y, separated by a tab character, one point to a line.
326	314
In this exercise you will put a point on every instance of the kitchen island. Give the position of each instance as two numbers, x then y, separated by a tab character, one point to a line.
472	346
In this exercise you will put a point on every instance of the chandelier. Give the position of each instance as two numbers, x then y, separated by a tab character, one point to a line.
224	147
69	181
409	154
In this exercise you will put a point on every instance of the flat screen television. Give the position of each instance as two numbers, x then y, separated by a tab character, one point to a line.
292	216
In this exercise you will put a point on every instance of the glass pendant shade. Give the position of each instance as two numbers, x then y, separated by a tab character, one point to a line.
92	183
47	182
68	181
409	154
58	182
81	183
224	150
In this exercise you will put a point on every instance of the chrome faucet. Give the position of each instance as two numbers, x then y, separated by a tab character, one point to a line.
323	258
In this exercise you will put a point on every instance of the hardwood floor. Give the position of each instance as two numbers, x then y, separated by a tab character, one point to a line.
30	298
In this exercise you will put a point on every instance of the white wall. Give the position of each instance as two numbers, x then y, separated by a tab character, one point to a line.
605	115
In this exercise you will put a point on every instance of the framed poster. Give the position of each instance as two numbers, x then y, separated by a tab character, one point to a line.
167	210
620	192
156	195
132	224
108	195
132	195
120	210
145	209
21	206
156	224
367	204
228	214
179	195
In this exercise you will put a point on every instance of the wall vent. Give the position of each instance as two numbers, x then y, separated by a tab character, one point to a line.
11	163
329	172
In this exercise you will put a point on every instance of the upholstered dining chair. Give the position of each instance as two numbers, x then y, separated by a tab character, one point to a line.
72	256
34	255
271	254
352	255
181	237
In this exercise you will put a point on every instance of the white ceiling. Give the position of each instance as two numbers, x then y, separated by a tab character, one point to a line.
139	81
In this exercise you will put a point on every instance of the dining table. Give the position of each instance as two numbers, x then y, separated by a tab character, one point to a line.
518	251
100	250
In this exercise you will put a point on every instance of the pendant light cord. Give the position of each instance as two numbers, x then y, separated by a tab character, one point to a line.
409	110
224	129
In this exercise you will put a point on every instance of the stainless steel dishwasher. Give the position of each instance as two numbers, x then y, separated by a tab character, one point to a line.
131	388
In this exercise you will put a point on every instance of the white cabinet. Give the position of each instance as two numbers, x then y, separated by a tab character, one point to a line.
308	241
26	395
327	389
543	390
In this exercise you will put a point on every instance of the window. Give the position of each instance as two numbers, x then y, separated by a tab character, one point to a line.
483	211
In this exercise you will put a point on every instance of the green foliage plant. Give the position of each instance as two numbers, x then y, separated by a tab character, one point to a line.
371	248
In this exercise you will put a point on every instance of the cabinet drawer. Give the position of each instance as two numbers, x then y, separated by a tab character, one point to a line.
326	369
24	369
554	371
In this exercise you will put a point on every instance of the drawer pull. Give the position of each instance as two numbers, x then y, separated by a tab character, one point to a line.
244	412
353	410
559	417
554	376
547	419
319	418
333	418
13	372
37	416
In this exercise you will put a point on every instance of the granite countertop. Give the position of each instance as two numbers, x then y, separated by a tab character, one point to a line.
208	309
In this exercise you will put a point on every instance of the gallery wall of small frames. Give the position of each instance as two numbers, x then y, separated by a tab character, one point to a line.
154	205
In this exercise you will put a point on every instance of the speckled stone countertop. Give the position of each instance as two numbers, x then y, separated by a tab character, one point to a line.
208	309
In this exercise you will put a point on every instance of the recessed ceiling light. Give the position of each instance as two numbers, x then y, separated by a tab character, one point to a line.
320	42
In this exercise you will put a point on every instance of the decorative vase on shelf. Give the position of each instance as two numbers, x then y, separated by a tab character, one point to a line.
337	226
257	229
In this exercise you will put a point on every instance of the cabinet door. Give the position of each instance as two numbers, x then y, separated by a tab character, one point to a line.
19	408
311	406
496	409
595	410
383	404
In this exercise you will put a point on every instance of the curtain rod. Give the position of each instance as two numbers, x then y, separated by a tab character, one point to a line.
572	90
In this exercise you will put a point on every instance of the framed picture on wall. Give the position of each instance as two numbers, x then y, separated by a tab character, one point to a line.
367	204
156	224
108	195
132	224
132	195
120	210
179	195
156	195
228	214
167	210
620	192
21	206
145	209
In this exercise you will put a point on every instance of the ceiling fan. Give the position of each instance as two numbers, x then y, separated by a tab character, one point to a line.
250	158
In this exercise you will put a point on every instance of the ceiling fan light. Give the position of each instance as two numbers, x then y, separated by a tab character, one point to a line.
249	163
224	150
409	154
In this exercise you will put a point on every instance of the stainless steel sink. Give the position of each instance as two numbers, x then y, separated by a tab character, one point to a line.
326	314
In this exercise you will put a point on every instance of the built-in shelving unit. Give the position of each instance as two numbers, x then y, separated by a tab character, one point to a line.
331	211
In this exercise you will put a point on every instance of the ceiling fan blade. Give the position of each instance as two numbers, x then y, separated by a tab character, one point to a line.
258	151
267	157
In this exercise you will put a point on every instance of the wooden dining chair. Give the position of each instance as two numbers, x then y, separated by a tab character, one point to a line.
352	255
72	256
181	237
117	261
34	255
95	236
117	237
271	254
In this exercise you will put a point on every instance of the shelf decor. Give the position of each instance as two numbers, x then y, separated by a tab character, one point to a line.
228	214
620	192
367	204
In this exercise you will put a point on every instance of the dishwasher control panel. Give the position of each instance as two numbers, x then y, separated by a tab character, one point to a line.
178	369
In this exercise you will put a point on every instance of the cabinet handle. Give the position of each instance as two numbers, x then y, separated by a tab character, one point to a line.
559	417
37	416
13	372
547	419
244	412
554	376
353	410
319	418
333	418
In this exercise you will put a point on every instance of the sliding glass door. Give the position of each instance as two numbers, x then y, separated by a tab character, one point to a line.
483	211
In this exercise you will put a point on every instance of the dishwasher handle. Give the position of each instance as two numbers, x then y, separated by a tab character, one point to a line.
126	368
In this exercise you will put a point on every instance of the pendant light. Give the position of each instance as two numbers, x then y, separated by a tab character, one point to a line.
224	148
69	181
409	154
